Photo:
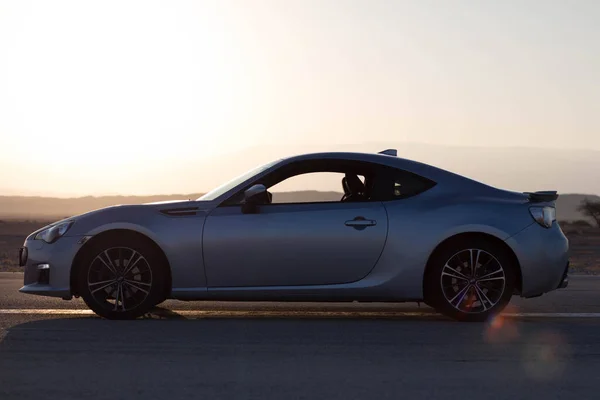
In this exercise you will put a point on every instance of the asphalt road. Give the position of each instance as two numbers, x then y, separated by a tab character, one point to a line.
209	350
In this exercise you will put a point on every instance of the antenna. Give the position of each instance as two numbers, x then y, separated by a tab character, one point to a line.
389	152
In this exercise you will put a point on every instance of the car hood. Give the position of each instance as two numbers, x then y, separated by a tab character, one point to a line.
123	212
158	206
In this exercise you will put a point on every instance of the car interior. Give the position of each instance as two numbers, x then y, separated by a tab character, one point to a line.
378	183
354	188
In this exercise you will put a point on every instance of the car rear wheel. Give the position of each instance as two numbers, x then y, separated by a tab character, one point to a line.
472	280
121	277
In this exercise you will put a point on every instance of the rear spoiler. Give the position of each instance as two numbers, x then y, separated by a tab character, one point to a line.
542	196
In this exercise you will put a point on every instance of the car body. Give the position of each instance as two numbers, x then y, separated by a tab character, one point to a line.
234	244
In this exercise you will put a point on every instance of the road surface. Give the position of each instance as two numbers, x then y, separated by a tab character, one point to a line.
545	348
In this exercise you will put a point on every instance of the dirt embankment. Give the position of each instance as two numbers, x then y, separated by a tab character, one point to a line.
584	243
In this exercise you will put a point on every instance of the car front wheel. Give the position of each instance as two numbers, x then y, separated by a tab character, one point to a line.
470	281
120	277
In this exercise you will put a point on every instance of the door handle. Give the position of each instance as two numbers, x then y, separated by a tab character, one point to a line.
360	222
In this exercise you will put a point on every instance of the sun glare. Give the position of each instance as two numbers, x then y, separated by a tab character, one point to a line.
95	91
129	96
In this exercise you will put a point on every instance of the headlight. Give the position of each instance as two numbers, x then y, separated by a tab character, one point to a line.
544	216
53	233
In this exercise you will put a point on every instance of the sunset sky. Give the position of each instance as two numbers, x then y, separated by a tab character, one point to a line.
93	94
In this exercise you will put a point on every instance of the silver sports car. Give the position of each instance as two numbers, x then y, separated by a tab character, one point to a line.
406	231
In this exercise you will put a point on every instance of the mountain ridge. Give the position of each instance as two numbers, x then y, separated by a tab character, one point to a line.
42	207
516	168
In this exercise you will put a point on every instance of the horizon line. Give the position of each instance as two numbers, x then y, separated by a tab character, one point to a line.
199	194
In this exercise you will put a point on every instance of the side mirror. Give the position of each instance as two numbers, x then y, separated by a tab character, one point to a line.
253	197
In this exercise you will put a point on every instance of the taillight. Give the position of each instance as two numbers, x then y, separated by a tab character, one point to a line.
544	216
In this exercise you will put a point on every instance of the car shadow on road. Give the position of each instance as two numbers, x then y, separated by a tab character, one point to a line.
166	332
164	327
167	353
315	312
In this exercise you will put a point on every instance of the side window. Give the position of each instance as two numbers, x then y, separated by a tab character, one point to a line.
332	180
312	187
406	184
398	189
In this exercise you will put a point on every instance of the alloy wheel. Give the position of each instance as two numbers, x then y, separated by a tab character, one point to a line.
473	281
119	279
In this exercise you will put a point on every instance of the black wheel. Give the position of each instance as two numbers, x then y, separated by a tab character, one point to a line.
121	277
470	280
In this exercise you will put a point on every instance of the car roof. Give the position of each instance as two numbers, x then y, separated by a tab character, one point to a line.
419	168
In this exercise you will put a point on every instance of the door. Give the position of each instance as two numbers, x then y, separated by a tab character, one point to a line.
293	244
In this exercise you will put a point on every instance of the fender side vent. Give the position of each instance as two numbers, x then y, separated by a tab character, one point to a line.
180	212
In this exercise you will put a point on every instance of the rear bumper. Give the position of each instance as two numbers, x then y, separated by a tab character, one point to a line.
543	255
565	278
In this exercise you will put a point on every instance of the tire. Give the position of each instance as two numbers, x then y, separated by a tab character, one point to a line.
455	290
121	277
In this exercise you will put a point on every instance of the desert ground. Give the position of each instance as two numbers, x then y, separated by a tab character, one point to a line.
584	242
21	215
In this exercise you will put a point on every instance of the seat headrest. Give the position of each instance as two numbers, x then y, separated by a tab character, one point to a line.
345	186
354	183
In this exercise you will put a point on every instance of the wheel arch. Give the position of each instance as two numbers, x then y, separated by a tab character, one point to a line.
449	241
120	231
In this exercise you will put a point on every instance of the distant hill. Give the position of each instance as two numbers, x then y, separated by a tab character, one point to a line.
522	169
34	207
30	207
566	206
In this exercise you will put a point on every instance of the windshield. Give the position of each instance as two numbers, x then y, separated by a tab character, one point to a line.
224	188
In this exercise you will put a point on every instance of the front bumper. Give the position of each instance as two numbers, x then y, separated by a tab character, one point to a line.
543	255
47	267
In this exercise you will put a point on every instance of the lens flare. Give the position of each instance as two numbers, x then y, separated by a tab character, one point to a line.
501	329
546	356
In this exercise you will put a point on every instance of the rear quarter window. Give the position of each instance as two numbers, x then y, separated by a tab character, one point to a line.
403	184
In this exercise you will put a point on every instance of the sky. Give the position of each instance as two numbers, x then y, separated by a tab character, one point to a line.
95	96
